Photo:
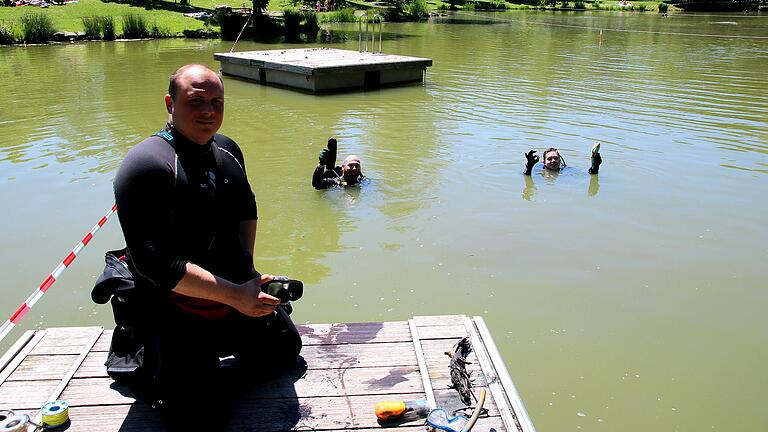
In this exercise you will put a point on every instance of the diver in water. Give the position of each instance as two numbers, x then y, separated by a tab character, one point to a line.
554	162
327	175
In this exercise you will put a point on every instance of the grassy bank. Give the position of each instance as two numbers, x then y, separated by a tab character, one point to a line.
165	15
166	19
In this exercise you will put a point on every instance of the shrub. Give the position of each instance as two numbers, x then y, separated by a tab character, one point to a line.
489	5
6	34
596	4
92	26
416	10
579	4
642	7
663	7
36	28
292	22
469	6
341	15
134	27
310	26
108	27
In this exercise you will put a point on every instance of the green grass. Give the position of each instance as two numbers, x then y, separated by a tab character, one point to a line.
341	15
69	17
165	17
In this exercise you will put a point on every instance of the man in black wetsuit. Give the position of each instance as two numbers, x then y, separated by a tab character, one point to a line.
189	220
327	175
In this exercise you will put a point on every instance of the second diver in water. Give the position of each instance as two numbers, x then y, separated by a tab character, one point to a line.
327	175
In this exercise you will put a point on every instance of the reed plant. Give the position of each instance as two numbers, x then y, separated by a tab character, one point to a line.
292	22
416	10
36	28
92	27
6	34
338	16
134	27
311	25
108	27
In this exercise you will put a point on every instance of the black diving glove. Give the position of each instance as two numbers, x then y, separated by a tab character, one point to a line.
596	159
323	156
331	161
530	160
327	156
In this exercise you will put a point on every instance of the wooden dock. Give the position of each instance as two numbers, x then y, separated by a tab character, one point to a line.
323	69
350	367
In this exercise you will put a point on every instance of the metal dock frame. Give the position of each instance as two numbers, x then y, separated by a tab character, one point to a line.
500	384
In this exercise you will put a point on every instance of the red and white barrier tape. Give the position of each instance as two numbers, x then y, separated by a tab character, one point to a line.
32	299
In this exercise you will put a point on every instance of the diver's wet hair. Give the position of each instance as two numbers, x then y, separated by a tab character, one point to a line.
552	149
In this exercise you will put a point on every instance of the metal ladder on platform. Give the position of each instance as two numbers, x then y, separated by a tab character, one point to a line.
360	37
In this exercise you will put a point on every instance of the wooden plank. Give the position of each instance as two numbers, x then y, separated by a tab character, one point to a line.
20	355
17	346
438	365
328	334
277	414
309	383
438	320
450	331
354	333
324	413
93	365
372	355
18	395
84	350
35	367
141	418
317	357
63	340
136	417
423	370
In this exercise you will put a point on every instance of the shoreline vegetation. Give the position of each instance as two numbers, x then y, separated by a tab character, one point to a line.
288	20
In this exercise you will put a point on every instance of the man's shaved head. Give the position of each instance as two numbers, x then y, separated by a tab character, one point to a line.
173	84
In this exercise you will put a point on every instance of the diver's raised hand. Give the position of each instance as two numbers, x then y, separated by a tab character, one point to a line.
530	160
327	155
596	159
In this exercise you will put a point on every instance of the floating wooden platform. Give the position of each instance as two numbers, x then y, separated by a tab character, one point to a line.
350	367
323	69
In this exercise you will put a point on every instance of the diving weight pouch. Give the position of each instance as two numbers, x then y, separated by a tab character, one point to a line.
438	420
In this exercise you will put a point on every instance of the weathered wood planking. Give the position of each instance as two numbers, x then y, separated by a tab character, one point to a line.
349	368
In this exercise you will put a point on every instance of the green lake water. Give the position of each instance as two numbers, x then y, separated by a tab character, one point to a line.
633	301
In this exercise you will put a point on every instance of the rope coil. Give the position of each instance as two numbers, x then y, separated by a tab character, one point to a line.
55	413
